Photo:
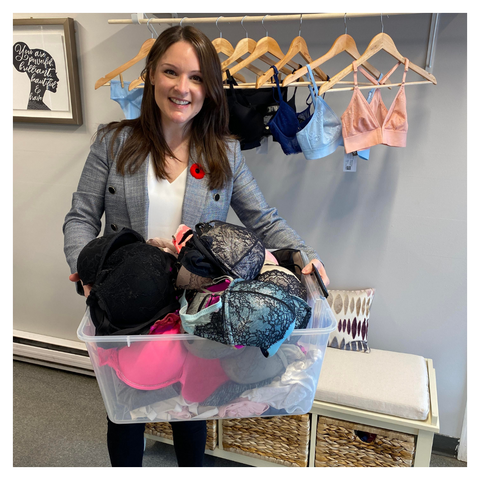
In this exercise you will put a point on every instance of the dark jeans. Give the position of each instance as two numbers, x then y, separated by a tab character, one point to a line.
125	443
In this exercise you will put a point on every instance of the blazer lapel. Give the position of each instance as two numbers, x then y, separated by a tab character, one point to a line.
136	198
195	197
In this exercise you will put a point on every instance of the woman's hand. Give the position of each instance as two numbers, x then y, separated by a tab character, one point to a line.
75	278
307	269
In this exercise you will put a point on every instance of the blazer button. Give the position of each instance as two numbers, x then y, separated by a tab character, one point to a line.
111	189
216	197
113	227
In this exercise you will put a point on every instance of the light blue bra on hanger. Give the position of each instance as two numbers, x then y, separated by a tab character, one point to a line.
323	133
129	101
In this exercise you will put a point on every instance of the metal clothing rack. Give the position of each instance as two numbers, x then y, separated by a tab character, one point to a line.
139	18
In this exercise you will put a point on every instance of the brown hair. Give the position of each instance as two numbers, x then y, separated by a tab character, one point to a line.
209	128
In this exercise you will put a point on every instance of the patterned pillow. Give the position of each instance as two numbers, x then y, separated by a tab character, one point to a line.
352	311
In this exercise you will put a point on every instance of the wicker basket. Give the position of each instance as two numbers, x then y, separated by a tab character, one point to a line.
164	430
338	445
281	439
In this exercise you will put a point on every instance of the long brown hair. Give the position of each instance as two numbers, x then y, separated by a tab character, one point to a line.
209	128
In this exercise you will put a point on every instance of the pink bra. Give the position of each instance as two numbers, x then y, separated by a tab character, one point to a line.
151	365
365	125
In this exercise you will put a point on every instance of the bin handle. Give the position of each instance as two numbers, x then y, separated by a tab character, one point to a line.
319	280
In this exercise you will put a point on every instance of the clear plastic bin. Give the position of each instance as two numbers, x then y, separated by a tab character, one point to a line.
216	381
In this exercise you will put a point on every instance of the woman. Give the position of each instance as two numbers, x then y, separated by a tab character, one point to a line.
175	164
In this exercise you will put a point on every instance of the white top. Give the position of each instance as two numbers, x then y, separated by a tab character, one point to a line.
165	203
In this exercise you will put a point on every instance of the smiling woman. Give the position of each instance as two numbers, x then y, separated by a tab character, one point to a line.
179	95
176	164
182	66
179	89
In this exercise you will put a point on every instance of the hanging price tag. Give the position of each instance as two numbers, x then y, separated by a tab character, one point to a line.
350	162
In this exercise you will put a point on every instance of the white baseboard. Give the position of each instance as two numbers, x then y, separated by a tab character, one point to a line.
51	352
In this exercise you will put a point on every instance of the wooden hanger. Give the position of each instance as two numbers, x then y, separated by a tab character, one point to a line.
222	45
266	45
135	83
298	46
244	46
344	43
143	52
382	41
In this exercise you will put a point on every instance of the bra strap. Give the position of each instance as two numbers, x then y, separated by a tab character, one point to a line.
275	76
384	79
312	81
368	76
231	82
354	64
405	71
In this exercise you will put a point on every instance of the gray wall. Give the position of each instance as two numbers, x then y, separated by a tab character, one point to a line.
398	224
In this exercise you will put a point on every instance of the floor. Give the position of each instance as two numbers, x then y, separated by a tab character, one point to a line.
59	421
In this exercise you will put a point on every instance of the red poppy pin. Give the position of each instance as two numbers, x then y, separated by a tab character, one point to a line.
197	171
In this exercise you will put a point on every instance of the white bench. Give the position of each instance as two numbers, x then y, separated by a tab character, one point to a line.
388	390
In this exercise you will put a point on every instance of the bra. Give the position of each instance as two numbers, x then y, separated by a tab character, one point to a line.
286	122
131	102
323	133
365	125
161	362
250	111
251	313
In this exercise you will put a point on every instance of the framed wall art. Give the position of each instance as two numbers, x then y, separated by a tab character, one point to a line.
46	88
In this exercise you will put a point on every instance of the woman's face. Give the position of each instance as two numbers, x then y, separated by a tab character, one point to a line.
178	84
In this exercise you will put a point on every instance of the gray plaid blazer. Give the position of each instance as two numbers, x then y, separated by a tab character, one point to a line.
123	199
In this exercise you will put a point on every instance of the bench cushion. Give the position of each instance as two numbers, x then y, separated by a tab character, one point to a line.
385	382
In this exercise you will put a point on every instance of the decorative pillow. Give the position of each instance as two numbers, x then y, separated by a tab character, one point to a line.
352	311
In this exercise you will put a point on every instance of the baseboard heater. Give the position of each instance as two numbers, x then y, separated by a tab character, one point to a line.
51	352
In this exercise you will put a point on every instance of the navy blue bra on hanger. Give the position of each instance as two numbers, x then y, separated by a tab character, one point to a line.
287	122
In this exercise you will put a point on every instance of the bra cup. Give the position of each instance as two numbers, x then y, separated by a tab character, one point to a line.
378	106
397	120
147	365
332	127
322	134
246	122
285	120
357	118
284	126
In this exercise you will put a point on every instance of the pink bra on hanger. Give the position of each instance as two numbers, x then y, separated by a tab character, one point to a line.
365	125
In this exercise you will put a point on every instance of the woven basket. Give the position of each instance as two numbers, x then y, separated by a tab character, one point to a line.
281	439
339	446
164	429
